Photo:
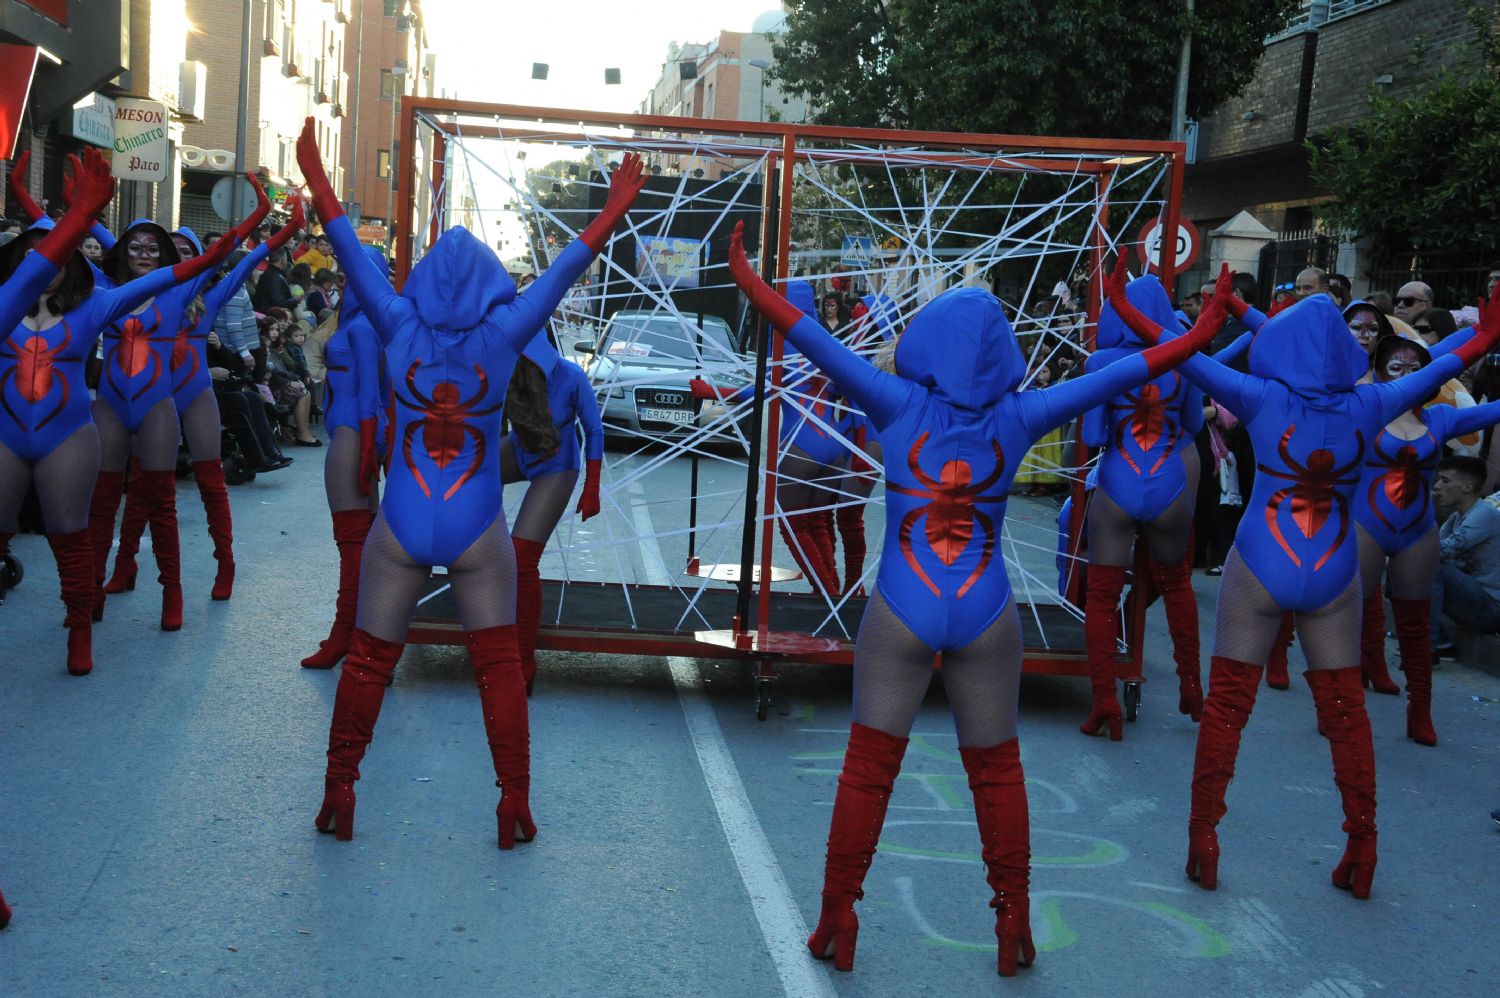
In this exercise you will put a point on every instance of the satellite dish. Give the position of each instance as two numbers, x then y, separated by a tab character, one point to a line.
770	22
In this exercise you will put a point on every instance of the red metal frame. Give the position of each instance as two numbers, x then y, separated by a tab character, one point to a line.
797	142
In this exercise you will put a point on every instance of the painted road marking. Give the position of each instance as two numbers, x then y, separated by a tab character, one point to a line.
781	923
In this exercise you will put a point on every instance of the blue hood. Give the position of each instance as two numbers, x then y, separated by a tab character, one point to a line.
12	252
457	282
191	237
115	260
883	315
349	307
962	347
1309	349
804	296
1150	298
542	353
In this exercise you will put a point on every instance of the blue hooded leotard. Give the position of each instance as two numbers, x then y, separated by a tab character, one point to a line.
1144	431
571	398
954	429
352	391
190	377
44	398
138	347
451	338
1312	426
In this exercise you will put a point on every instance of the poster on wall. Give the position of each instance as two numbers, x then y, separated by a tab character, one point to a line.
17	65
141	145
668	261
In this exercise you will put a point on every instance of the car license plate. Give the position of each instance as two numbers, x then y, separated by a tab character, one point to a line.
666	415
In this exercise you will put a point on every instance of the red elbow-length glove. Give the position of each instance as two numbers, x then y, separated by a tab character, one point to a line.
778	311
588	503
1161	357
325	201
293	226
624	184
92	190
21	194
369	463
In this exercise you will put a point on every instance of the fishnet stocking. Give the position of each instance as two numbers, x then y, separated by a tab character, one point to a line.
341	472
202	428
1247	620
64	483
893	667
155	443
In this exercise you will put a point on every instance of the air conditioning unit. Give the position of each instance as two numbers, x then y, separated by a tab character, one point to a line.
192	90
320	97
337	111
269	47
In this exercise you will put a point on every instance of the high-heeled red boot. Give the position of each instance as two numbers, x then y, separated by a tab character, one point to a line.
132	526
75	573
1340	698
1231	697
161	511
5	912
1278	675
502	693
211	489
350	528
1414	637
102	508
1372	647
812	550
367	672
998	784
871	764
851	524
1175	583
528	604
1100	628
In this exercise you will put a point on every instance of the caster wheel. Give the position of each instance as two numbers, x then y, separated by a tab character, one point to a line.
763	699
235	472
1132	700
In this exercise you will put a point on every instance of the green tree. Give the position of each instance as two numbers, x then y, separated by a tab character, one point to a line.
1104	68
1422	173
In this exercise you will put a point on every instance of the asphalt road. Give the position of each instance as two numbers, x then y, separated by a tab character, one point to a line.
156	817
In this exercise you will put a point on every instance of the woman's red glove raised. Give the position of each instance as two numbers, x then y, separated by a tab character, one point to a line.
778	311
291	228
20	193
92	189
325	201
624	184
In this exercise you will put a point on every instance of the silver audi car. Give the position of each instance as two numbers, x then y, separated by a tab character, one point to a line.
641	366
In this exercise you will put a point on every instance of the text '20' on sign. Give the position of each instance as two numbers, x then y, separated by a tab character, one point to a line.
1149	247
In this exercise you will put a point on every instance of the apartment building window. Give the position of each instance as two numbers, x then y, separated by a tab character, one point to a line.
392	7
383	164
388	86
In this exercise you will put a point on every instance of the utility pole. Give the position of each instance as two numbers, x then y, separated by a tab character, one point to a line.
1184	60
351	184
241	139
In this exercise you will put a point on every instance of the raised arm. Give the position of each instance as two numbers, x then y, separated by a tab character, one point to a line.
1252	317
882	396
18	188
385	308
1395	397
1239	393
1449	421
235	279
540	300
1049	408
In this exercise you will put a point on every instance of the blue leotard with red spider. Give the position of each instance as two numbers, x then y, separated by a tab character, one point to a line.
451	338
1143	432
1312	426
43	396
954	430
571	399
189	364
1394	500
352	390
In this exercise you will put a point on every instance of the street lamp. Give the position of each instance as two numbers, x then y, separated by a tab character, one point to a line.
762	65
398	88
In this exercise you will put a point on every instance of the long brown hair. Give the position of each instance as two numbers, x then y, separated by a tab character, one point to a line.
526	408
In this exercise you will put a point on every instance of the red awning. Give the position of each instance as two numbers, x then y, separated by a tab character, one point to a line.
17	66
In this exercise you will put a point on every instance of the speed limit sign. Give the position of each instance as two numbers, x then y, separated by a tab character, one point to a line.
1149	245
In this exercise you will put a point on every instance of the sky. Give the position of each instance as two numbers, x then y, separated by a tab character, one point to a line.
485	50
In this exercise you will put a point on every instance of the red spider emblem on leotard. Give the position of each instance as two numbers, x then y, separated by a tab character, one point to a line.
1314	496
34	373
442	425
130	352
183	355
1147	421
1404	480
951	511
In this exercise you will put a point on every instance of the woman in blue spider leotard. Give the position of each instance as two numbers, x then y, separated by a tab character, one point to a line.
1312	426
451	339
1398	535
1148	479
954	428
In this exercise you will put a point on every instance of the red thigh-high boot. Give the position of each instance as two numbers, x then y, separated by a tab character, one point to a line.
871	764
1175	583
1100	626
161	498
812	549
350	528
1231	697
999	787
528	604
356	706
210	478
502	693
102	508
5	912
1414	635
1340	698
1372	647
1277	675
132	525
851	524
75	571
